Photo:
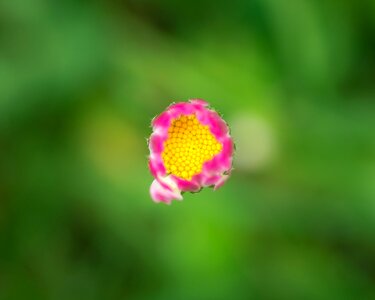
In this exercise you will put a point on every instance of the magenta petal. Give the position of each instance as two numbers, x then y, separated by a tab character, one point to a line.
187	186
198	179
228	147
211	180
213	166
156	143
226	164
156	167
182	108
217	126
162	121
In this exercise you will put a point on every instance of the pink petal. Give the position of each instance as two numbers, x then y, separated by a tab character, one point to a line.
228	146
211	180
181	108
217	126
221	181
199	102
212	119
213	166
227	151
201	113
156	143
156	166
162	121
187	186
163	191
197	179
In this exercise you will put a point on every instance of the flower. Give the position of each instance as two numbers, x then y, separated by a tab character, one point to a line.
190	148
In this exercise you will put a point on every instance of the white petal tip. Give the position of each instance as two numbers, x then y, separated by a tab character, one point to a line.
165	193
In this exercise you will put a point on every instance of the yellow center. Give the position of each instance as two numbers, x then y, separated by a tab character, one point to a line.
188	146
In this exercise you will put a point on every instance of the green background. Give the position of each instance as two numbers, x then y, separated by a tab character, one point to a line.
80	82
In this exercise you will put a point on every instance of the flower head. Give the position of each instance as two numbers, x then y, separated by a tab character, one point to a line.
190	148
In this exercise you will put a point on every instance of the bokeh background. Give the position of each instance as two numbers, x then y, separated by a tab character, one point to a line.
79	83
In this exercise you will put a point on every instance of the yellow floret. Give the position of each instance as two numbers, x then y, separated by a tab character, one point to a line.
189	145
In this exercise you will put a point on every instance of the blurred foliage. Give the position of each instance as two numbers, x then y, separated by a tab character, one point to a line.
79	84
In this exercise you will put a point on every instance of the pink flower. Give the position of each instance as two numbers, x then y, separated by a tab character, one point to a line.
190	148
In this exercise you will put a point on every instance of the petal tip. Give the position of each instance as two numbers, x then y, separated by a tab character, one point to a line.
199	101
164	190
